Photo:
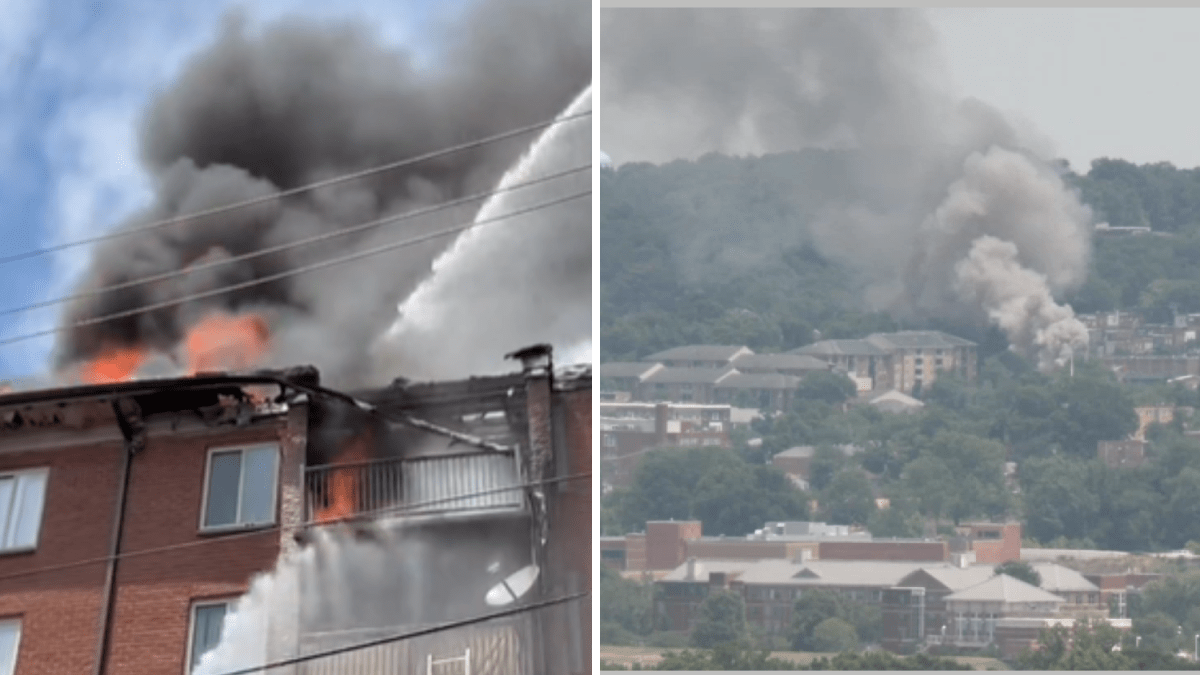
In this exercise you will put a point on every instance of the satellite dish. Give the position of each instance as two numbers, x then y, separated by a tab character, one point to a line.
516	585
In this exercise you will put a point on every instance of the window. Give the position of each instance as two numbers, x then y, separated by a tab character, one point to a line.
21	498
610	441
10	638
240	489
207	619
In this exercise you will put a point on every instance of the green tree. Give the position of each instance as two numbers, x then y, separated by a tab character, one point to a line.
626	605
834	635
722	619
813	607
848	499
1018	569
826	386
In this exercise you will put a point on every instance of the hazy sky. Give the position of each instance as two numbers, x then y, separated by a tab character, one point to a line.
1097	82
1094	82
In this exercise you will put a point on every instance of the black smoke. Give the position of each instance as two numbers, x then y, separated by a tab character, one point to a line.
265	110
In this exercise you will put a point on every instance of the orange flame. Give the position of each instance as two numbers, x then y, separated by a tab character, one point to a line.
116	364
342	489
226	342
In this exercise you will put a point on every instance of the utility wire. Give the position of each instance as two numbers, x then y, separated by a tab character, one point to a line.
236	535
408	215
449	625
337	180
292	272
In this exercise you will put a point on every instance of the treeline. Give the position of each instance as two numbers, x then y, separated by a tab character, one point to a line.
717	250
945	464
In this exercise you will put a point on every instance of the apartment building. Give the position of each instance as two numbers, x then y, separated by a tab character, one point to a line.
136	514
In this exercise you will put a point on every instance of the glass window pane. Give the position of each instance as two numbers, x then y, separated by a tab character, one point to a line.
31	496
206	633
6	493
223	478
258	488
10	636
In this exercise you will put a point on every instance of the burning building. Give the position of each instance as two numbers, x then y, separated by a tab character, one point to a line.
136	514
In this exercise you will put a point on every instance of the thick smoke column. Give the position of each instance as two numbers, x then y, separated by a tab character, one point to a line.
948	210
264	111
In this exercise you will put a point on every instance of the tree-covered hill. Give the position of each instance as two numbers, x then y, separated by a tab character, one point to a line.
718	250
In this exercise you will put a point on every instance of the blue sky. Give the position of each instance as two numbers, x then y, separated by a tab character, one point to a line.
74	78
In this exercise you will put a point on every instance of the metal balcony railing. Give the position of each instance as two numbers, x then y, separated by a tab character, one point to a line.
413	486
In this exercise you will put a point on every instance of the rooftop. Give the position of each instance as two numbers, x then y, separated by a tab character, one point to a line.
738	380
1003	588
916	339
1059	579
689	375
840	348
627	369
699	353
749	362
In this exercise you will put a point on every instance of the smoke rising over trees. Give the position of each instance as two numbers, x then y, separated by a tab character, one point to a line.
943	208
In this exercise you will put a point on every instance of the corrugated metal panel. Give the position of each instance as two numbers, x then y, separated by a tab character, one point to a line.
443	479
494	650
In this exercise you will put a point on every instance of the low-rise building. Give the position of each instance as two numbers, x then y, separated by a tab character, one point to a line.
628	431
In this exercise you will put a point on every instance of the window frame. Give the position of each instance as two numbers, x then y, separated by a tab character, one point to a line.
37	535
237	525
195	605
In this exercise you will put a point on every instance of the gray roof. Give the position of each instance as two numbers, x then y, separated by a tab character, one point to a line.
829	573
840	348
697	353
749	362
689	375
1059	579
895	398
704	567
913	339
627	369
759	381
1003	588
954	578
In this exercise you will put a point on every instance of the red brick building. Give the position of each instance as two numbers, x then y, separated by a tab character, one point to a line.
132	515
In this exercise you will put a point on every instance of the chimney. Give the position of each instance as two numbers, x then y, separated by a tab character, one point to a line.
716	579
694	569
661	412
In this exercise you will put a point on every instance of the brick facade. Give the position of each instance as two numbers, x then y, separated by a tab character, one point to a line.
62	611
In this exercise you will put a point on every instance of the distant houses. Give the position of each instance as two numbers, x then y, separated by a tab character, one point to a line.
735	375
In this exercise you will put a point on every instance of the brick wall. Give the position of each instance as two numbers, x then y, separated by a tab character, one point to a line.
60	610
155	592
998	551
665	542
933	551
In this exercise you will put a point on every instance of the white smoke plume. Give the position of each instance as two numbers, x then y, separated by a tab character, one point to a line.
513	283
944	207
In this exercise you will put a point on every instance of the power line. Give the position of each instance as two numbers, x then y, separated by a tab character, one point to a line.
337	180
241	535
292	272
294	244
449	625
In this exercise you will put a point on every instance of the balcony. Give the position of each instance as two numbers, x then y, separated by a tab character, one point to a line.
410	486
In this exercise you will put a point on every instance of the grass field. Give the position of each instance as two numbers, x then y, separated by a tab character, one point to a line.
650	656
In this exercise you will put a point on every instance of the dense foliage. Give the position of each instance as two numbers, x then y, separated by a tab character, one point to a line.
683	258
946	464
